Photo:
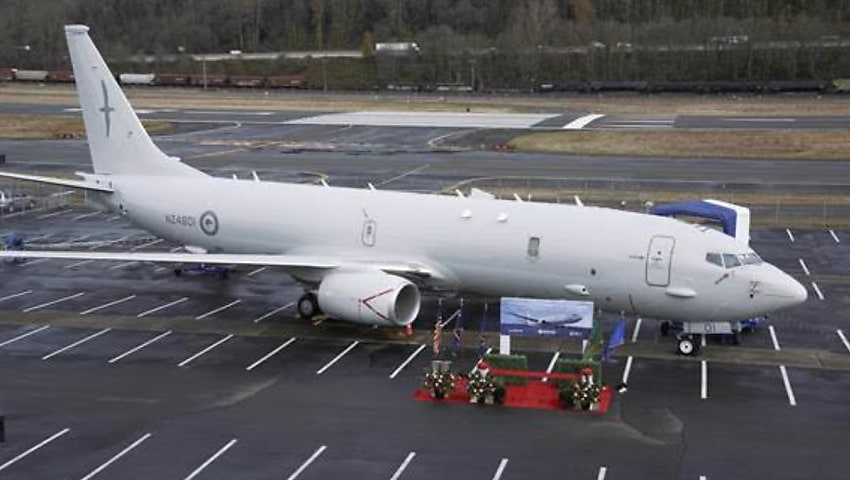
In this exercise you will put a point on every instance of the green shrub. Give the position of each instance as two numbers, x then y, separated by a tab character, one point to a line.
509	362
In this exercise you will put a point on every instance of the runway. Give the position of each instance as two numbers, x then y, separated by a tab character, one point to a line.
153	376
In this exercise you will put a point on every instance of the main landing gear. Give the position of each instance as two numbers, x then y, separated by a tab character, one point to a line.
687	345
308	306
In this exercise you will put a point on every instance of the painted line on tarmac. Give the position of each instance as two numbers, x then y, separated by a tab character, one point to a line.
307	463
162	307
637	330
582	122
270	354
53	302
336	358
791	399
113	218
147	244
500	469
276	310
805	268
28	262
107	305
15	295
843	339
85	215
773	337
834	236
205	350
34	448
254	272
406	362
77	343
123	265
139	347
120	454
219	309
790	235
602	472
79	239
24	335
627	370
817	291
54	214
78	264
40	237
552	364
703	392
221	451
403	466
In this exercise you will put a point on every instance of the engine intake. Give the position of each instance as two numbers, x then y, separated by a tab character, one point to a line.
372	298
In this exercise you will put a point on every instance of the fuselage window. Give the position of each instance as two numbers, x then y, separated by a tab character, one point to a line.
534	247
714	258
731	260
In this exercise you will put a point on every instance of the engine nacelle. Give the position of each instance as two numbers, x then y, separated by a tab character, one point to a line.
372	298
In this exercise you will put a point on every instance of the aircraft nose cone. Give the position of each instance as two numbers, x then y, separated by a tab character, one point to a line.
796	291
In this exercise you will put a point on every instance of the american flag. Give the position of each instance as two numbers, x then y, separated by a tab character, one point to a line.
438	328
458	332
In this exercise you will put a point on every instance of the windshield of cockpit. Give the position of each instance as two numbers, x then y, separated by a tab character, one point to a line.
732	260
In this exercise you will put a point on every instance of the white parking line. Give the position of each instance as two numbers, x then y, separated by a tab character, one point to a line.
773	337
24	335
54	214
29	262
78	342
817	290
843	339
627	370
123	265
602	472
582	122
145	245
335	359
791	399
637	330
85	215
162	307
212	458
34	448
409	359
139	347
270	354
552	364
53	302
40	237
276	310
805	268
79	239
834	236
16	295
306	464
790	235
500	469
193	357
77	264
116	457
403	466
113	218
254	272
107	305
219	309
703	392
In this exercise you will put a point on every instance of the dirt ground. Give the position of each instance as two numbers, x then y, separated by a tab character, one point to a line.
44	127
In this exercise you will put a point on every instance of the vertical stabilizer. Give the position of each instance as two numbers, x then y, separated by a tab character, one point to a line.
117	141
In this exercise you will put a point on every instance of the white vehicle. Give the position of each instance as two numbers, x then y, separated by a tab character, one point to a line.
10	202
364	255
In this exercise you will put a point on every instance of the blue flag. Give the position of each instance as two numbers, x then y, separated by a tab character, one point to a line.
617	338
482	335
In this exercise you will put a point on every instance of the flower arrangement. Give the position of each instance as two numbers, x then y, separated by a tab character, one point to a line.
440	383
586	391
480	387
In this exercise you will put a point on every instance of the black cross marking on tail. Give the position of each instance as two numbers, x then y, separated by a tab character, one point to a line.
106	108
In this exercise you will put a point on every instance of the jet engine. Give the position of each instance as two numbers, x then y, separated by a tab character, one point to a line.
372	298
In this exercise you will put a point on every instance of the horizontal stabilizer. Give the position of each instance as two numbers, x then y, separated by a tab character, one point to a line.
62	182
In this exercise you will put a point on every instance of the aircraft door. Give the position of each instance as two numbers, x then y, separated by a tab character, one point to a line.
370	228
659	260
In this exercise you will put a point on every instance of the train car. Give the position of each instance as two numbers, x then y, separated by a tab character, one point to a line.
246	81
60	76
211	80
286	81
171	80
7	74
31	75
136	78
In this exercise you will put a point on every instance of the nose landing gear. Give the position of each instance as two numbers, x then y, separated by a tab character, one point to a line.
308	306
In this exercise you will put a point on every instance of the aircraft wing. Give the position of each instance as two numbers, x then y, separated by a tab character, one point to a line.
63	182
229	259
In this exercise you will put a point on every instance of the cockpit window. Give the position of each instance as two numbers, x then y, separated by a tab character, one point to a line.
750	258
714	258
731	260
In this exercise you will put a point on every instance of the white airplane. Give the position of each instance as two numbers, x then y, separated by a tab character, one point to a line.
364	255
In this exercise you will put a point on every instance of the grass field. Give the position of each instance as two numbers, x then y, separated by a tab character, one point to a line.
41	127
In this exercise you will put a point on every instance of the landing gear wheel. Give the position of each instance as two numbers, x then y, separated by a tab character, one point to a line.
665	328
308	306
178	272
687	346
223	274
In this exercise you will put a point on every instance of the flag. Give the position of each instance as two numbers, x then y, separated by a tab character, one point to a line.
482	334
438	328
458	331
617	338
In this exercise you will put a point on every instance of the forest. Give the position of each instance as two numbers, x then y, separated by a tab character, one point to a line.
487	44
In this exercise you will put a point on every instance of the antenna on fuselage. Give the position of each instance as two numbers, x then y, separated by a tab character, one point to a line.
254	174
517	198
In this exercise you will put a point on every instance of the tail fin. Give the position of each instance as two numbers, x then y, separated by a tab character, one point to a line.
117	141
